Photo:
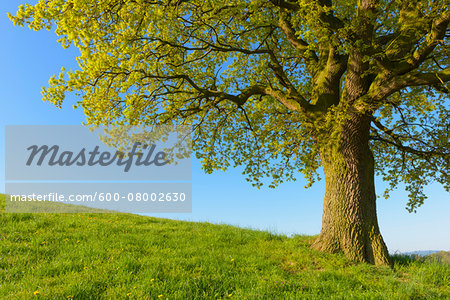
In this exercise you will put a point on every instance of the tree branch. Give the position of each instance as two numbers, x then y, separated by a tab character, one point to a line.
366	16
397	143
283	78
289	102
357	81
382	88
309	56
289	5
436	35
330	21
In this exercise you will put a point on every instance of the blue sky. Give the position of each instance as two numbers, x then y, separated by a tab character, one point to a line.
29	59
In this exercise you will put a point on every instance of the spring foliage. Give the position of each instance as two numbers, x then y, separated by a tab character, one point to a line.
261	81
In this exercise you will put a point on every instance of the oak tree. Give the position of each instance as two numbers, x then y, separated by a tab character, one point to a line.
278	87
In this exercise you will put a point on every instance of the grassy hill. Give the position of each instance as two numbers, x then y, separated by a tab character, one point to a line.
441	256
124	256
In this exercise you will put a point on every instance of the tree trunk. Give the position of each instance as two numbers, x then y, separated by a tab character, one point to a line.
349	221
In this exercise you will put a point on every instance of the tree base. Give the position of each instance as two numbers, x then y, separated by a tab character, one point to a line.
370	249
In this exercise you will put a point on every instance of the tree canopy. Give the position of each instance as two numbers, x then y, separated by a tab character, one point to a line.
259	80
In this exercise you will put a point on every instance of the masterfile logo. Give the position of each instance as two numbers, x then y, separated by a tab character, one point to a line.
127	169
53	156
69	152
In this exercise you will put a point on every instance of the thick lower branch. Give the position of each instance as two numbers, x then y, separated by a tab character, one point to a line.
435	36
383	87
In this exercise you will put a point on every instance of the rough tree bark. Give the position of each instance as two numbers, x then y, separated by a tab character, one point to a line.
349	221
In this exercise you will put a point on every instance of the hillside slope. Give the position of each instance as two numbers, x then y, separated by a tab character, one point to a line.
441	256
92	256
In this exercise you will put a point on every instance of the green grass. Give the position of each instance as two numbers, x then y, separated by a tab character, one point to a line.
124	256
